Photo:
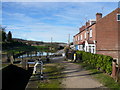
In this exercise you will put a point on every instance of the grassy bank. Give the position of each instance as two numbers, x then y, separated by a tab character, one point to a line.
5	65
19	49
53	75
105	79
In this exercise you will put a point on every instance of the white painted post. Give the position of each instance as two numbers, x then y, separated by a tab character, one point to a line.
63	54
11	59
34	71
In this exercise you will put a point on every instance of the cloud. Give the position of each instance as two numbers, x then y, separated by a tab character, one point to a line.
44	32
19	17
41	21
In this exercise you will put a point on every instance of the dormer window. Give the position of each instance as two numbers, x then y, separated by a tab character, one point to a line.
118	17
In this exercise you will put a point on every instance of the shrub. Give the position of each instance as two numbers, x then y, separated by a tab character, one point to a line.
98	61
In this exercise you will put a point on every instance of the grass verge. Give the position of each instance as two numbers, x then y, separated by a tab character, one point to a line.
5	65
103	78
53	76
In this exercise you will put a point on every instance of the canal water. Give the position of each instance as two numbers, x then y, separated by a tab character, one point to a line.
35	54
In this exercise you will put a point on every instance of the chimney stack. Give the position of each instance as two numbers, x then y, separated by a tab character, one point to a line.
98	16
87	23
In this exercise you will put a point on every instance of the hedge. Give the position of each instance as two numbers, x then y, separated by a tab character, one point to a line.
101	62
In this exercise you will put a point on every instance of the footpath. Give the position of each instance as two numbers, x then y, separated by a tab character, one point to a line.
74	76
77	77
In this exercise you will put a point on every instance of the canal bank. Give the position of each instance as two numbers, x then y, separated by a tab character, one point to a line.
15	71
52	72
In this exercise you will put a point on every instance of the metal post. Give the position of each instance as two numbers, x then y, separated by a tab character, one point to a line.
41	76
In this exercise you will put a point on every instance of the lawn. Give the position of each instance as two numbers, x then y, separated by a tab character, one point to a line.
53	76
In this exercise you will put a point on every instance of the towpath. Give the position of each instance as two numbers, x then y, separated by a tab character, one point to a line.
77	77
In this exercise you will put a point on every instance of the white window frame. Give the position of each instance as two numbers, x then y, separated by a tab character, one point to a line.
81	37
85	35
117	17
77	38
91	33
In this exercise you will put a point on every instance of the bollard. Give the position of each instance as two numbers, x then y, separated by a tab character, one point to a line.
74	57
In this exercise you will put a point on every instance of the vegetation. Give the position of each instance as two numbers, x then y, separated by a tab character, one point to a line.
3	36
3	33
53	74
97	64
101	62
16	47
41	48
6	37
5	65
105	79
9	37
66	49
9	46
53	47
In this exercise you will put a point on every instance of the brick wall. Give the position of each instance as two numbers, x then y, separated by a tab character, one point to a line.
106	32
118	41
107	35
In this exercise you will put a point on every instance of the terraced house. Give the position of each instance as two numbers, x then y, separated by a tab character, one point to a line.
100	36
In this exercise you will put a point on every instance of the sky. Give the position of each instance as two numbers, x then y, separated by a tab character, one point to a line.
39	21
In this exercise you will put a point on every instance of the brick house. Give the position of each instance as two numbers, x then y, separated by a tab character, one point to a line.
101	36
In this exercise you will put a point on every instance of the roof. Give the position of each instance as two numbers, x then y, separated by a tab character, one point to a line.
85	29
117	9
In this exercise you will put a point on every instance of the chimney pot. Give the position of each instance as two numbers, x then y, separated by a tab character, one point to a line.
98	16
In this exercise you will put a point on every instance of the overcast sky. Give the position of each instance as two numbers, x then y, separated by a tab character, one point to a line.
40	21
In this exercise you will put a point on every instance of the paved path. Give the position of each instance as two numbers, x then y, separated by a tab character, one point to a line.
76	77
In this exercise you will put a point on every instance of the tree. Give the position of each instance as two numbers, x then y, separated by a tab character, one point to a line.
9	37
3	33
66	50
3	36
